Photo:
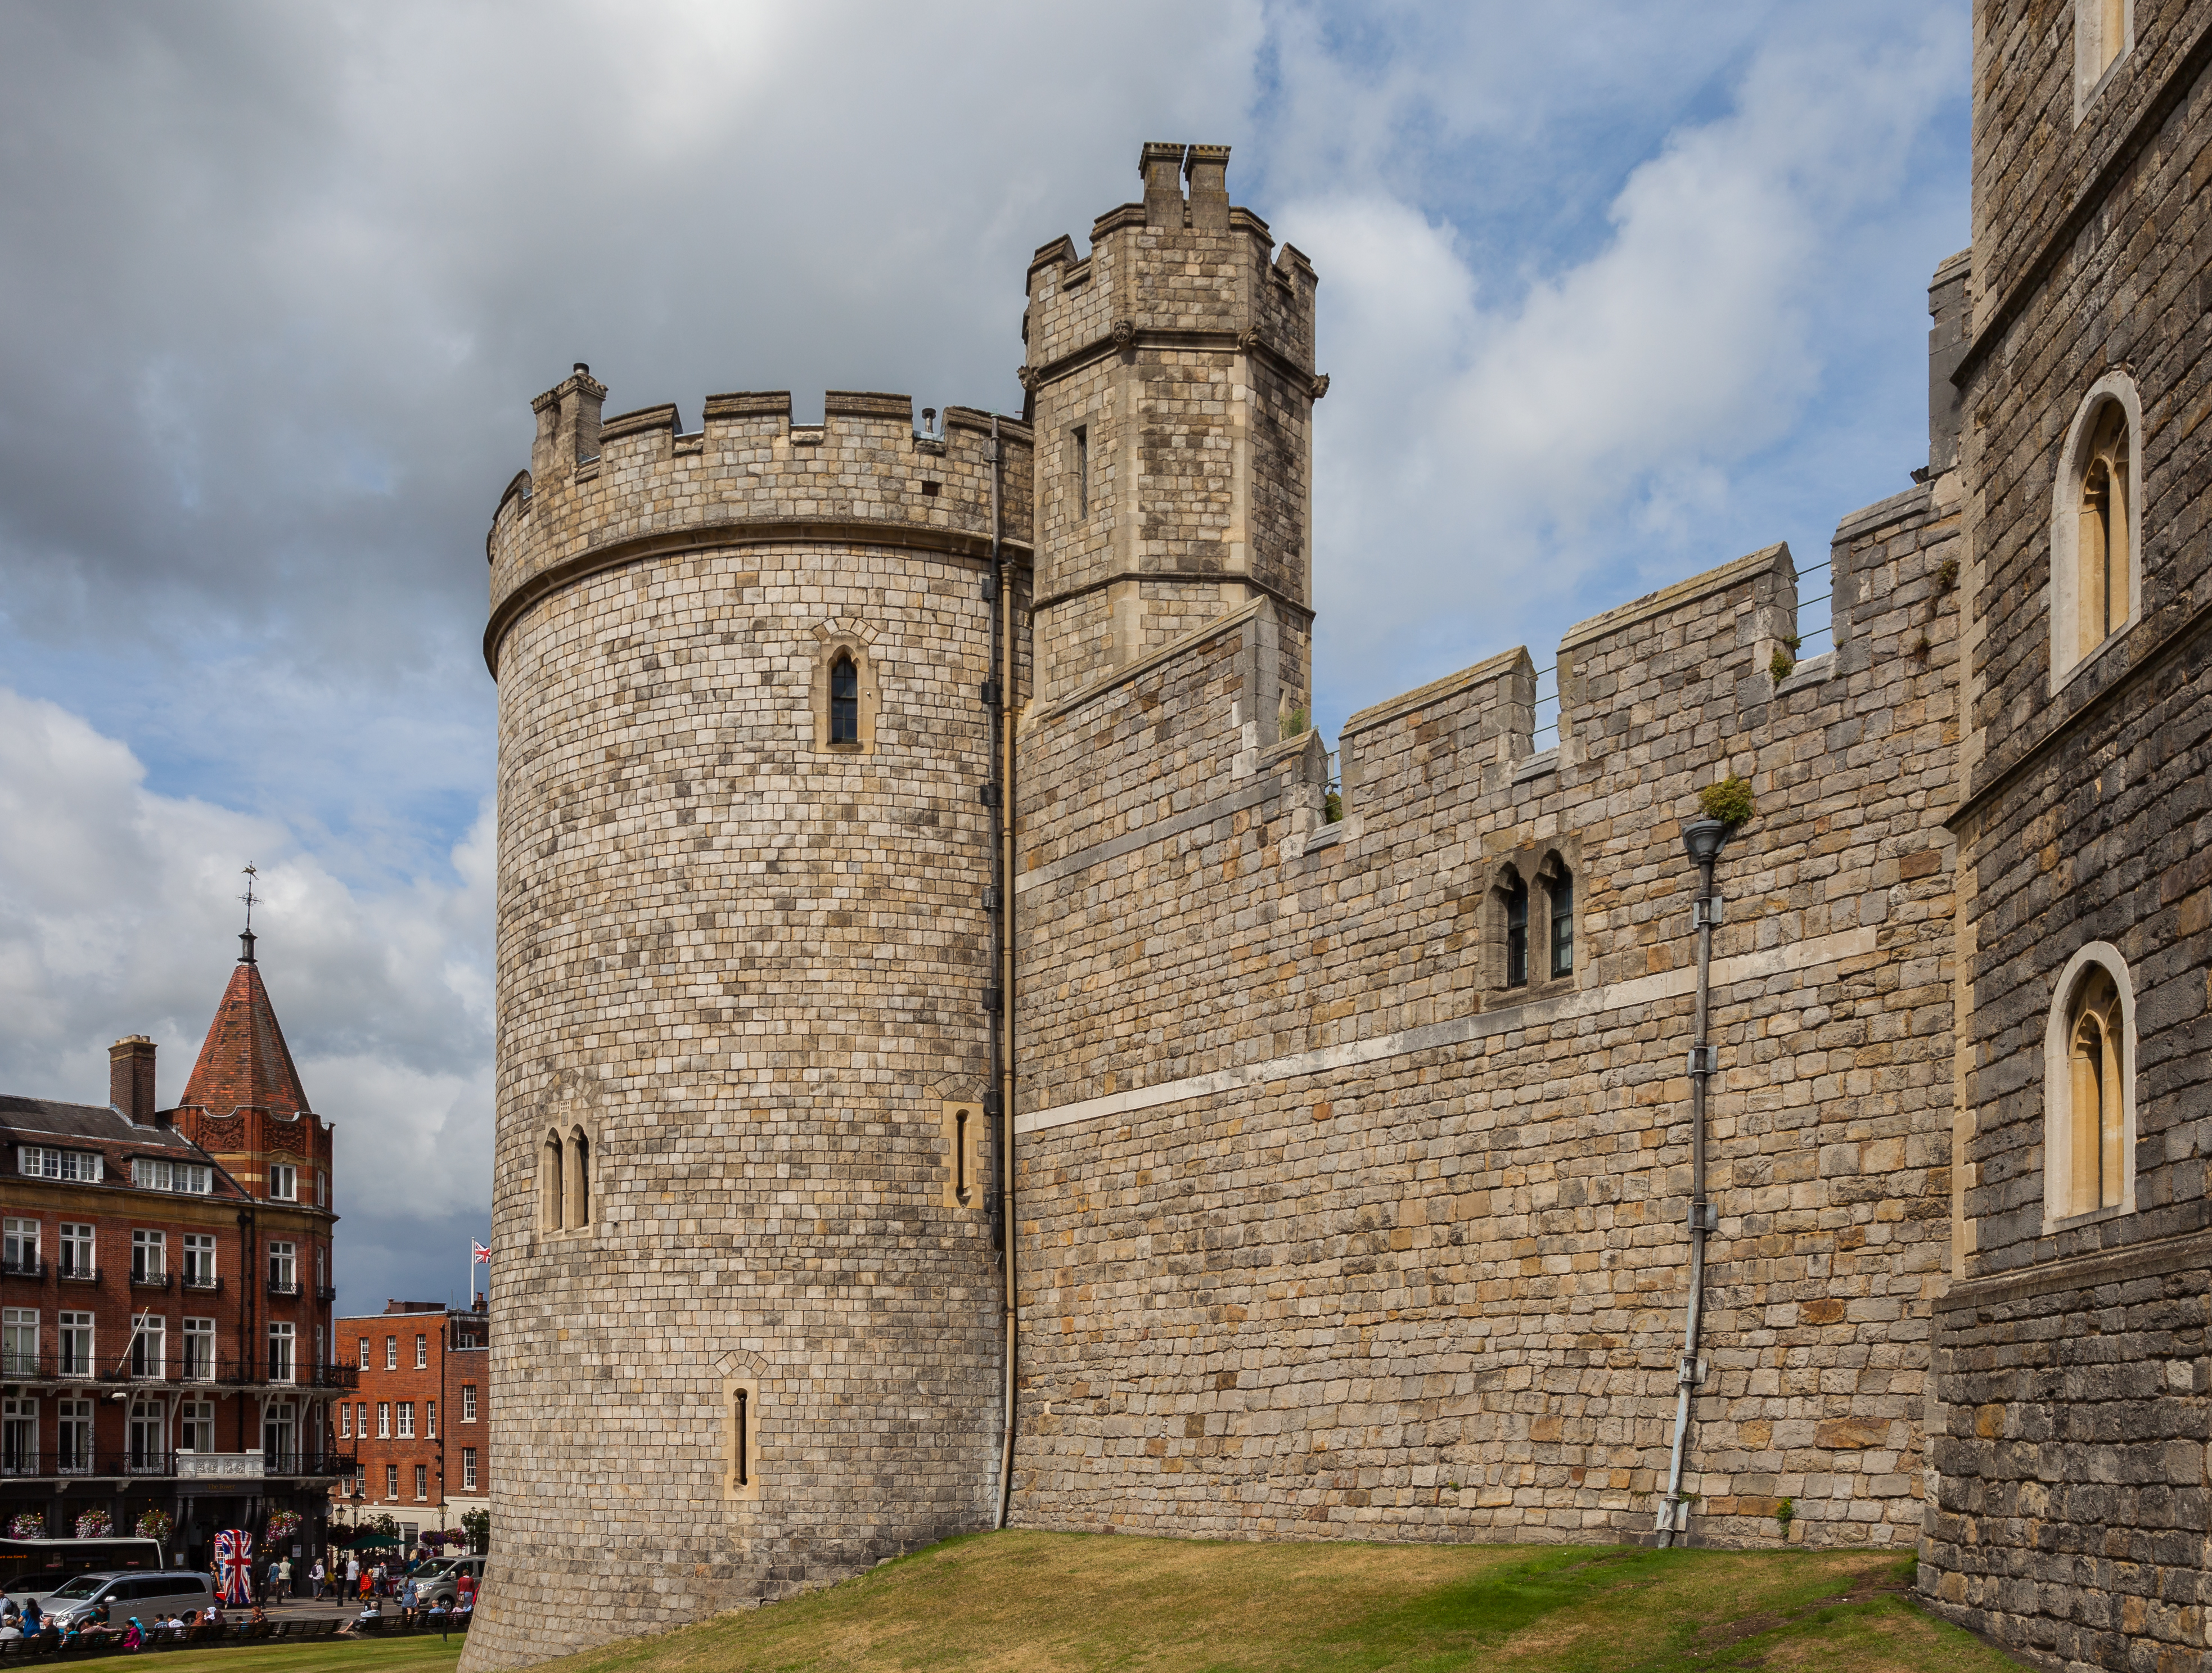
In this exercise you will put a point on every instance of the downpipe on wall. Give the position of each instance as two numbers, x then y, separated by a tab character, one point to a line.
1702	840
999	1098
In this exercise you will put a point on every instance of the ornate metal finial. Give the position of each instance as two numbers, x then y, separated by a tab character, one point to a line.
246	940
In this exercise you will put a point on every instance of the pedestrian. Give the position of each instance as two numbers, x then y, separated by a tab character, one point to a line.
320	1578
352	1573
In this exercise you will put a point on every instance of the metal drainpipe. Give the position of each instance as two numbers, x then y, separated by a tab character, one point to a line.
1702	839
1001	1106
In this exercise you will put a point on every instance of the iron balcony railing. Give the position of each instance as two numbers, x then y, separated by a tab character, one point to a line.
26	1367
85	1461
23	1267
70	1273
142	1279
206	1285
282	1287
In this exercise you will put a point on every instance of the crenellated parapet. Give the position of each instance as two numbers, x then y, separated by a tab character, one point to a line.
603	492
1172	383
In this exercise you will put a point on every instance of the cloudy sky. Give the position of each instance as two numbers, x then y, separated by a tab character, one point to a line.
1610	292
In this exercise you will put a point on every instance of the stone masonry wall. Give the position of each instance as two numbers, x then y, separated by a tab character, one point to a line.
1325	1232
2071	1357
750	965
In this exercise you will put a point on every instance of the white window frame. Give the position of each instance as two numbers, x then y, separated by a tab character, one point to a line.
406	1419
149	1254
421	1483
2059	1089
364	1353
199	1259
74	1460
469	1468
322	1189
468	1403
199	1351
392	1353
20	1414
48	1162
345	1420
283	1351
74	1326
283	1263
283	1182
429	1420
383	1420
80	1236
18	1242
159	1173
18	1352
422	1351
149	1345
391	1483
193	1416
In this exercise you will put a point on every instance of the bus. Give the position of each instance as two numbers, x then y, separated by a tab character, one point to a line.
34	1568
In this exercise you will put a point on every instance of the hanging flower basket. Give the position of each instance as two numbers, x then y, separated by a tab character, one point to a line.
157	1525
283	1525
31	1524
94	1525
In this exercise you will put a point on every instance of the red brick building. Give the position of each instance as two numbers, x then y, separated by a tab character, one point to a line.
165	1292
420	1423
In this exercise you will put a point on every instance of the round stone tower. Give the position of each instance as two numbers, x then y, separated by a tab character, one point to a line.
749	1328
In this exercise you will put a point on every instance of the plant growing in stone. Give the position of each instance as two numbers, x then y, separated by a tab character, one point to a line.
1785	1512
1294	724
1729	801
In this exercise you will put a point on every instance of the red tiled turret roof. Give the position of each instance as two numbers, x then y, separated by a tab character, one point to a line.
245	1062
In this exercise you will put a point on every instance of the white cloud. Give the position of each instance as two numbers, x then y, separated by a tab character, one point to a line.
118	914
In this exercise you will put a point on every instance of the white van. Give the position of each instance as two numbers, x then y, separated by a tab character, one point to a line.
172	1592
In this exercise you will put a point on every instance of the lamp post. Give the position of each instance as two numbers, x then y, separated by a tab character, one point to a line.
1701	841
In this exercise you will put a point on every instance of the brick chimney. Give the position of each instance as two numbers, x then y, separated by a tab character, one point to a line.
131	1078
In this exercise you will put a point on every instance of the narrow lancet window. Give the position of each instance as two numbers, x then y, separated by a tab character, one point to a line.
844	701
2102	547
549	1184
579	1179
960	1154
1562	891
744	1439
1516	934
1082	439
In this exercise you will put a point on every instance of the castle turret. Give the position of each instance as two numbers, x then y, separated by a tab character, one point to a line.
1171	373
752	1330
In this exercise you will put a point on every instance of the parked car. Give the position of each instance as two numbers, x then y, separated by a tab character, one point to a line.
441	1579
172	1591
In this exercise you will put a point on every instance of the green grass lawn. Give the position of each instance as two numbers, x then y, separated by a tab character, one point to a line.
1061	1603
1079	1602
373	1655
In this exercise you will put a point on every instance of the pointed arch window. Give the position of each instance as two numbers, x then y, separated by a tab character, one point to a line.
2090	1090
1560	892
2096	527
549	1184
578	1208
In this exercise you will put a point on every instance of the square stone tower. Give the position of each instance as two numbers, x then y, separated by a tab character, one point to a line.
1171	375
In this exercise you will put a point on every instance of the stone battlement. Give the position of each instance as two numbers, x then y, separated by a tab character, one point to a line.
602	492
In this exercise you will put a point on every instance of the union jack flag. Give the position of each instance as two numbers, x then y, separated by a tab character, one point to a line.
478	1255
233	1560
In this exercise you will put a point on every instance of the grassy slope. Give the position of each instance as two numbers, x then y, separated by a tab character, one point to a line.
1060	1603
390	1655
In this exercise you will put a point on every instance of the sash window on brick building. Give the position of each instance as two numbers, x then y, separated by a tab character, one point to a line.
199	1260
199	1351
19	1342
78	1260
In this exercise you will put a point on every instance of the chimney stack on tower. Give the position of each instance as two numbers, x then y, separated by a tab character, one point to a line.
131	1078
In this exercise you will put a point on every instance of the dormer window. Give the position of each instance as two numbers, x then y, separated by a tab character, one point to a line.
41	1161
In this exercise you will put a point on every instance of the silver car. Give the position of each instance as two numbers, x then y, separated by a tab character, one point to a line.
169	1592
441	1579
